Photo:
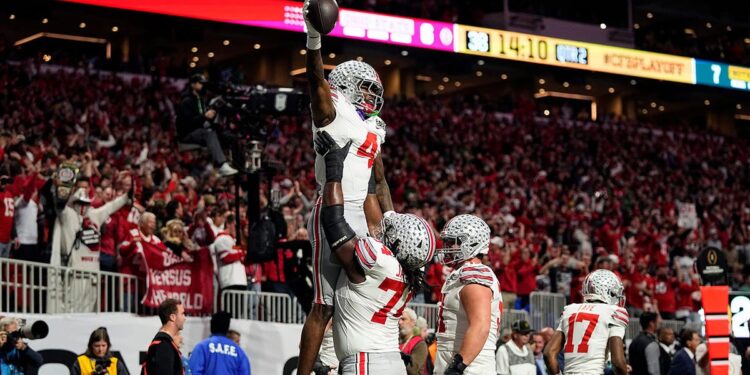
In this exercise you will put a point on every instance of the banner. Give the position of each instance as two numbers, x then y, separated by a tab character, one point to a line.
169	276
271	347
687	216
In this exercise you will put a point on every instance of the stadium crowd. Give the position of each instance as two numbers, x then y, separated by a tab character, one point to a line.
562	197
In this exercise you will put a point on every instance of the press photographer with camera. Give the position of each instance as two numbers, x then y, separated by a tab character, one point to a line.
16	357
98	360
194	124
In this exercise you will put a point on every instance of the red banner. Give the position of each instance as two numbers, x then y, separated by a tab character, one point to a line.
169	276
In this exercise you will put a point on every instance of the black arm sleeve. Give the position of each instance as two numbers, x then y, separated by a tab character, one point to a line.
372	185
335	227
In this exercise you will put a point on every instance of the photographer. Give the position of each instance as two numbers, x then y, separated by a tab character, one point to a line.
193	124
98	360
16	358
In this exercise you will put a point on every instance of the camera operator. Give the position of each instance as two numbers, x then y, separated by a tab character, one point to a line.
194	124
98	360
16	357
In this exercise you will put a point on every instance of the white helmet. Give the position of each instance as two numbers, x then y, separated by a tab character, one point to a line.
355	78
603	286
410	238
464	237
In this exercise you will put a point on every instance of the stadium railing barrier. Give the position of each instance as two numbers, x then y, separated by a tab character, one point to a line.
29	287
545	309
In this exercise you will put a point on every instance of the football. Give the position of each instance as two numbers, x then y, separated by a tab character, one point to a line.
323	15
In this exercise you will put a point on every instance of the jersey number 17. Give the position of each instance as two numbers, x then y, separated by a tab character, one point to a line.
583	346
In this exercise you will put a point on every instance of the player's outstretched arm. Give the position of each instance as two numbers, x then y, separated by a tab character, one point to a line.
323	112
341	238
617	349
551	351
378	199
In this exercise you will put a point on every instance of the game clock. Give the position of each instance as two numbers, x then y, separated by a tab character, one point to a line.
527	47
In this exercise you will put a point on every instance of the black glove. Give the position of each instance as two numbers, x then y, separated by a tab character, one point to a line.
333	154
457	366
321	370
406	358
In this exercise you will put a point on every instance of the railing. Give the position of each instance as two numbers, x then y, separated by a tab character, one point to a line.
29	287
262	306
545	309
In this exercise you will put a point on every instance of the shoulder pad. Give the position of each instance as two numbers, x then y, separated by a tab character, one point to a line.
476	274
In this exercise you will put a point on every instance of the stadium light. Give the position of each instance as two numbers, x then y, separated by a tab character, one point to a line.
633	82
82	25
115	29
603	26
738	106
225	42
46	58
542	81
546	112
480	62
457	83
387	62
45	21
588	87
194	49
210	55
729	28
434	92
709	25
192	65
404	53
441	87
12	17
503	76
649	15
446	79
479	73
566	84
644	111
303	52
707	102
195	59
611	90
661	108
653	104
636	26
331	55
256	46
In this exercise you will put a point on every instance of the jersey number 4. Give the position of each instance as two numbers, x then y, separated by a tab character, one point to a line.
397	286
583	346
369	148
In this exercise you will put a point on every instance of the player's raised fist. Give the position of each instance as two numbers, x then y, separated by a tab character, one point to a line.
321	15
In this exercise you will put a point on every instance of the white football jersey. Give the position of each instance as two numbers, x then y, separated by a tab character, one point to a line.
366	314
587	328
366	134
452	321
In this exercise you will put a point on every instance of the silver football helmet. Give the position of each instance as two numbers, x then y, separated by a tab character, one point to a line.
464	237
410	238
360	84
603	286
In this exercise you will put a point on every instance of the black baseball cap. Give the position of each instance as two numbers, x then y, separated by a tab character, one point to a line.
198	78
521	326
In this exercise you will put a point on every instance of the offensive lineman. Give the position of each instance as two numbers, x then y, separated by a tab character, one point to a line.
471	302
347	107
591	329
